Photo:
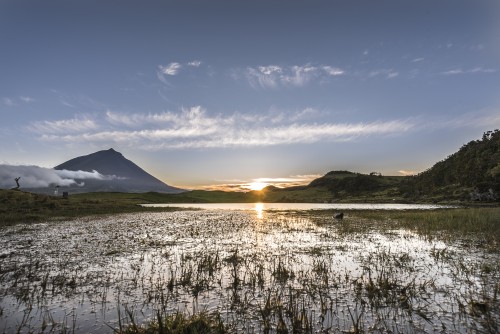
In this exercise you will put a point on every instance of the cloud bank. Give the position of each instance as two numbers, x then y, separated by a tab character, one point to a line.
247	185
39	177
195	128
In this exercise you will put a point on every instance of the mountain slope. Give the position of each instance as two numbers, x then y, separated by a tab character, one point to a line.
128	176
473	171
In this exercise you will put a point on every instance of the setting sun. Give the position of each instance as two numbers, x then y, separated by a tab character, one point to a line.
257	185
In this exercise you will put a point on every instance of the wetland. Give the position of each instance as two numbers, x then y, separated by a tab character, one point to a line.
254	271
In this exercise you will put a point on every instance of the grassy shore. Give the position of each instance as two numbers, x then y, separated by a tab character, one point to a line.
19	206
479	226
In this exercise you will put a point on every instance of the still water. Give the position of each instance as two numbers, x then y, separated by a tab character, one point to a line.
301	206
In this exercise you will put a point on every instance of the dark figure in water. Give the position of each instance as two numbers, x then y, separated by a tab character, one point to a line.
17	182
339	216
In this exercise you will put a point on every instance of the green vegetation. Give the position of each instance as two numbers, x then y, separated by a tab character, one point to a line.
472	173
18	206
483	223
179	323
346	186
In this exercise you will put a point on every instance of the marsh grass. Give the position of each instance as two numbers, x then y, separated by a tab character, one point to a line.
455	221
224	272
462	220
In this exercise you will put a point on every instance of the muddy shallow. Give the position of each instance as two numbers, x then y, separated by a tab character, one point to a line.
260	270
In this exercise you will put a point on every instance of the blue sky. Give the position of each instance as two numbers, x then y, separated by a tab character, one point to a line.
203	93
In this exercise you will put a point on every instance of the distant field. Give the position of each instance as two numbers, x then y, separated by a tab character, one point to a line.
288	195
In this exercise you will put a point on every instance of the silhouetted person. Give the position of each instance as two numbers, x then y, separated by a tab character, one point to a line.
17	182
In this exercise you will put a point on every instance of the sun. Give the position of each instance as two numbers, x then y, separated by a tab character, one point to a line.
257	186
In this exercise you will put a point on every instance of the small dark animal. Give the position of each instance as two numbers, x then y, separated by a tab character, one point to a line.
339	216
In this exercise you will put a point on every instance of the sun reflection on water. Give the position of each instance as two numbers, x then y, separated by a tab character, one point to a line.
259	209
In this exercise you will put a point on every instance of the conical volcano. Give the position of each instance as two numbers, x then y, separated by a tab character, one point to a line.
124	175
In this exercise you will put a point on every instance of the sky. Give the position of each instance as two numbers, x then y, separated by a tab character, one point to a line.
206	94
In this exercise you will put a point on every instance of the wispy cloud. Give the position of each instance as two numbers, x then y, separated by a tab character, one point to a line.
11	102
65	103
273	76
333	71
170	69
26	99
135	120
173	69
77	101
8	102
481	119
195	128
478	119
194	63
195	116
469	71
64	126
387	73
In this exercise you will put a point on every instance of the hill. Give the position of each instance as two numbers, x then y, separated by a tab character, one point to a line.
471	173
346	184
128	176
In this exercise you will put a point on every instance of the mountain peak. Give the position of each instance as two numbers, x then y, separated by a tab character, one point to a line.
128	177
110	151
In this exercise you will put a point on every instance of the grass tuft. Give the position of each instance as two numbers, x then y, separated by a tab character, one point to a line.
179	323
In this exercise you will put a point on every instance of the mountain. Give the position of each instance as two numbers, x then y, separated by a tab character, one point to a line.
123	174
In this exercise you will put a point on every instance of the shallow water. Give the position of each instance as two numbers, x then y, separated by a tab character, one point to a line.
259	269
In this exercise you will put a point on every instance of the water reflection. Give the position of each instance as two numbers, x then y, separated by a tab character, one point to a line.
259	209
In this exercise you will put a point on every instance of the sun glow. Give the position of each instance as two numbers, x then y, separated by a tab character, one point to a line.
257	185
